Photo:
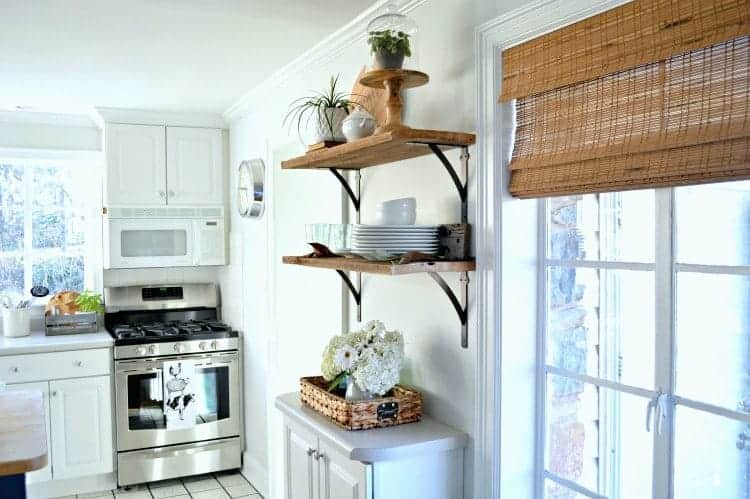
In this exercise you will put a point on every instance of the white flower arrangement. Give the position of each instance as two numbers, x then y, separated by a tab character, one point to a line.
372	357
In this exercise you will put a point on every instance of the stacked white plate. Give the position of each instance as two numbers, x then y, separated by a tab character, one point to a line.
368	240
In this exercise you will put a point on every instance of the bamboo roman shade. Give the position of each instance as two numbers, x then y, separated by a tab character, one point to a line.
653	93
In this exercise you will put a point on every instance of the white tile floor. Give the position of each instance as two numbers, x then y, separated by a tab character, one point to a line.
212	486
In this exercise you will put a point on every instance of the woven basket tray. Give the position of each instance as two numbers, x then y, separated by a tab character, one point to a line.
404	405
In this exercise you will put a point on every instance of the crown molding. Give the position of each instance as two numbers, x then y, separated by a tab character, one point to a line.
162	118
322	53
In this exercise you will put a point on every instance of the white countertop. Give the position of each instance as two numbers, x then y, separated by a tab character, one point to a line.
37	342
379	444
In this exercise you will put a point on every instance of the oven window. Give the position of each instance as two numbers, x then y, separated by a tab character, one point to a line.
146	398
148	243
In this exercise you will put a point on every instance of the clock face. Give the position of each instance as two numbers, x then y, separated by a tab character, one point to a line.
251	188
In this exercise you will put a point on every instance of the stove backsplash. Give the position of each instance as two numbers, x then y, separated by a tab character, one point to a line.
162	275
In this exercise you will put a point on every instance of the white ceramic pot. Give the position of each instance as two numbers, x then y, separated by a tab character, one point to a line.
319	129
358	125
16	322
402	211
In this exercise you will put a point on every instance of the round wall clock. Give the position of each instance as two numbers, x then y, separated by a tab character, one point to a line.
251	188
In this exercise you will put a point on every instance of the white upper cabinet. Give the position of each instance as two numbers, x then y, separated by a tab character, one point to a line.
153	165
194	166
81	420
136	172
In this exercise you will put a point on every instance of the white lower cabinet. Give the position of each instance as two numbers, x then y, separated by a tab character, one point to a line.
78	409
80	415
316	470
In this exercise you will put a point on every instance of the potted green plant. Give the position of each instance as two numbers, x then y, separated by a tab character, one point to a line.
389	48
321	114
89	301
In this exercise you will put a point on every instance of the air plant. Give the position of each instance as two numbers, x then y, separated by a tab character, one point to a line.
316	105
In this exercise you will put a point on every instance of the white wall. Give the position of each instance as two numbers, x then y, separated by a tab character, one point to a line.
48	131
288	313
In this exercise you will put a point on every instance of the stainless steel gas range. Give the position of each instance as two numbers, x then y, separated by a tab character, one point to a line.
158	332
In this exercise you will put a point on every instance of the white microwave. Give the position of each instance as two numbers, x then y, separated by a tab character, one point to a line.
164	237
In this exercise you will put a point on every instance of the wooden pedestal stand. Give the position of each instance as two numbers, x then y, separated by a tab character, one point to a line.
393	81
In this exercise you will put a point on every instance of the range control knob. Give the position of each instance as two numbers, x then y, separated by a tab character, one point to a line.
178	348
214	345
202	345
140	351
152	349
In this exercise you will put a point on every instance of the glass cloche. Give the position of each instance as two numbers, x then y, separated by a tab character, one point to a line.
390	37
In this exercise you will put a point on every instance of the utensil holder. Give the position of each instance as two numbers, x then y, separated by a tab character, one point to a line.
16	323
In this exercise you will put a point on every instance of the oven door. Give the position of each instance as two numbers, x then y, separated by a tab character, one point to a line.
139	243
139	387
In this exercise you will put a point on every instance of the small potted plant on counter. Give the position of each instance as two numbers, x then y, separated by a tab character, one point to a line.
321	114
389	48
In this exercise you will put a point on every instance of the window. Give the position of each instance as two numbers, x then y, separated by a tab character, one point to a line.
646	309
49	226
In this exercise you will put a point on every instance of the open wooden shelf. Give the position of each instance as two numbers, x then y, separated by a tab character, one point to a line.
396	145
383	268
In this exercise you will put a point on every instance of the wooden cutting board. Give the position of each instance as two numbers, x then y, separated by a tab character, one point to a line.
23	434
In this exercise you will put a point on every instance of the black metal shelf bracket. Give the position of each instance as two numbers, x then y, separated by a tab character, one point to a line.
348	188
461	185
460	304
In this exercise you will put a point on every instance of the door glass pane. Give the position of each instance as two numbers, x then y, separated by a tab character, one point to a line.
148	243
601	323
713	339
612	227
596	437
713	224
712	456
146	397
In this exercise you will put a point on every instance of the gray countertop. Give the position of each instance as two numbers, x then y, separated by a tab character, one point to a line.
37	342
381	444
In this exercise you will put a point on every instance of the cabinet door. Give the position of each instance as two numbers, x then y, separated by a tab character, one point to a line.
340	477
195	166
300	470
136	169
43	474
81	421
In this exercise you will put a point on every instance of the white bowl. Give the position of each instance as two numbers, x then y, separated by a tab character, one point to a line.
401	211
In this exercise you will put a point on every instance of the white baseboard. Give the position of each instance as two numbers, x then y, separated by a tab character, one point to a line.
253	470
71	486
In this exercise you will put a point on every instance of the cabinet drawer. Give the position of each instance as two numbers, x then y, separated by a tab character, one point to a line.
55	365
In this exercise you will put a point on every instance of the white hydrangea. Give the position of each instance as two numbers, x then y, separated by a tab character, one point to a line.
372	356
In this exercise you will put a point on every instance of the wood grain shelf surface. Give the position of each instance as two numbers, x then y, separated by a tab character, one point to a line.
380	149
23	433
383	268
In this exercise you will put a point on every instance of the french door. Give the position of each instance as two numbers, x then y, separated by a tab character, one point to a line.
644	369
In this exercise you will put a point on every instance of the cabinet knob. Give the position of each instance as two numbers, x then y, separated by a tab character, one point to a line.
310	451
162	194
319	456
14	369
54	393
171	193
78	363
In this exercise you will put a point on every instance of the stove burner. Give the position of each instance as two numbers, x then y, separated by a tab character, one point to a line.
174	328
